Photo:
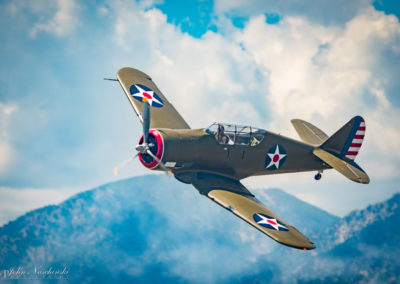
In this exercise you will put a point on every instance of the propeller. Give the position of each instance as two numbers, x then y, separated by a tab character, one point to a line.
146	121
144	148
124	164
157	160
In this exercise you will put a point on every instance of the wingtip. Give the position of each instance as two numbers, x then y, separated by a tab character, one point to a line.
366	180
131	72
313	246
309	246
304	246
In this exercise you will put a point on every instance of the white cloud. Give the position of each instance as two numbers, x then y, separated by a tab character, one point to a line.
206	79
6	112
323	73
62	23
15	202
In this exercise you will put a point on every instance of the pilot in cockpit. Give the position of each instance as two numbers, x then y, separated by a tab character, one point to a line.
221	137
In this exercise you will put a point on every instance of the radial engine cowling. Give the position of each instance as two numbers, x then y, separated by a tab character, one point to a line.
156	146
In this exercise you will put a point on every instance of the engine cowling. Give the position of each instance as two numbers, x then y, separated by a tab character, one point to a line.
156	146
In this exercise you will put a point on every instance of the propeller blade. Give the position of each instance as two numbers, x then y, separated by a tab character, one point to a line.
124	164
157	160
146	121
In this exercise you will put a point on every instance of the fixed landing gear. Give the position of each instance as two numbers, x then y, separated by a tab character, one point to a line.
318	176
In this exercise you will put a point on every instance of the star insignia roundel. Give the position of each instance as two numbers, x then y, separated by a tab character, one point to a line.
145	94
269	222
275	158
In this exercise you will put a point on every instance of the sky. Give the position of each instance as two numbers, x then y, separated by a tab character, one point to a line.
261	63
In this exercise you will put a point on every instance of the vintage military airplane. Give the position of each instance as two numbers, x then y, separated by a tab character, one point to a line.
215	159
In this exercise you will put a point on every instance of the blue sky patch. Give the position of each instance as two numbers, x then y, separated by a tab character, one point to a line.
193	17
239	22
388	6
272	18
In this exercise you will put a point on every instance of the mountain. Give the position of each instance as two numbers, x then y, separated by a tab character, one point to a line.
365	224
153	229
368	241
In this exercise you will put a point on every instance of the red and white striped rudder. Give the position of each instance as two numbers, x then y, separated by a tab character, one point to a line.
356	141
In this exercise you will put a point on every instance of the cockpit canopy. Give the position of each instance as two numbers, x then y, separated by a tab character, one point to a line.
231	134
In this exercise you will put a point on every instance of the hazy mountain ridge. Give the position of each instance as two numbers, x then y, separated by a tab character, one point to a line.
357	220
152	229
367	244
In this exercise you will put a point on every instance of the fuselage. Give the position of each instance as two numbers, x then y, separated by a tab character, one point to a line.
199	150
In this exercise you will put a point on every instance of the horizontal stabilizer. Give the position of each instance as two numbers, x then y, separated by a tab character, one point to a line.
349	170
308	132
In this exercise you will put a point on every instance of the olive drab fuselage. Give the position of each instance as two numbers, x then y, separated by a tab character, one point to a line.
197	150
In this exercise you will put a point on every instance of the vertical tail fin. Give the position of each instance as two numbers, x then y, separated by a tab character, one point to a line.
354	146
347	140
340	150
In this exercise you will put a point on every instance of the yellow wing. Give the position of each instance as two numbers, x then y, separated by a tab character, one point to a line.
232	195
139	87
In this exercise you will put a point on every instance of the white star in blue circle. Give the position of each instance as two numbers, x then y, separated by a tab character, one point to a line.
269	222
145	94
275	158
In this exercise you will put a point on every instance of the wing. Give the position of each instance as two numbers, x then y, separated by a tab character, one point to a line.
138	87
308	132
232	195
